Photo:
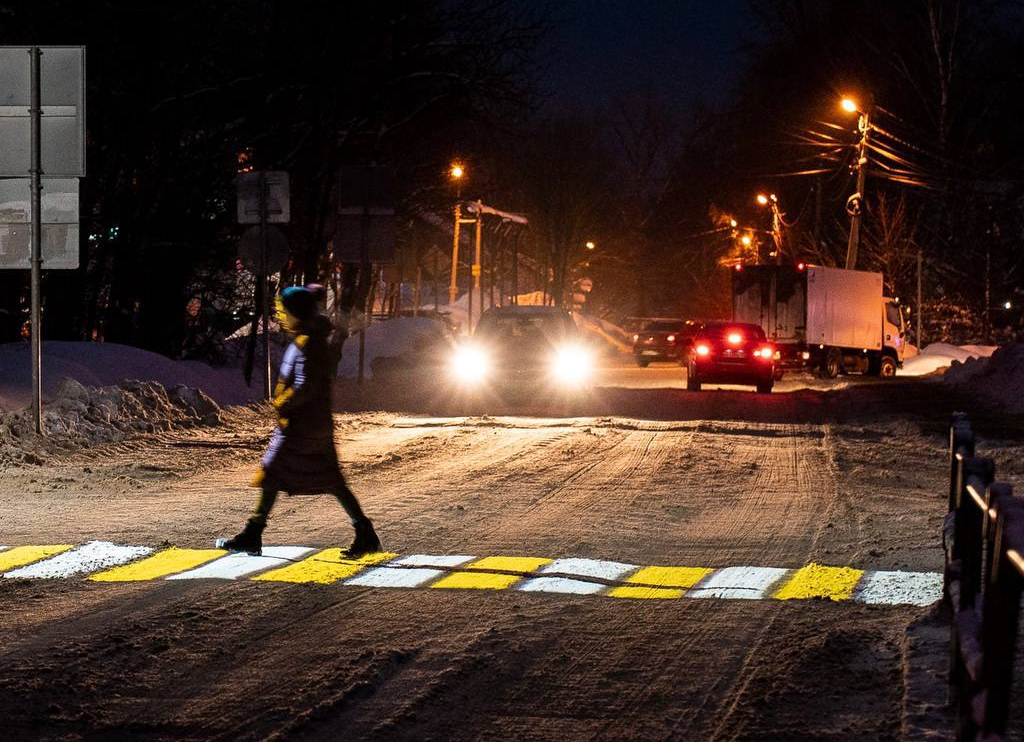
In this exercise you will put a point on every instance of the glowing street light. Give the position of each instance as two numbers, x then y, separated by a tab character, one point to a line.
855	204
590	245
457	171
772	200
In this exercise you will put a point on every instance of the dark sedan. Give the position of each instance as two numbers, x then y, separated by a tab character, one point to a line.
663	340
731	353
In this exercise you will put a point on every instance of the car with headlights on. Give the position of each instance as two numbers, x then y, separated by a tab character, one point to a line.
534	350
663	339
731	353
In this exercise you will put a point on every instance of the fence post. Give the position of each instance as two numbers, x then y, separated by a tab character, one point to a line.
995	493
960	437
968	533
1001	616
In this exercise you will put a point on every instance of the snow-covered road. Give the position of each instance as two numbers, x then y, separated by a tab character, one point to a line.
730	495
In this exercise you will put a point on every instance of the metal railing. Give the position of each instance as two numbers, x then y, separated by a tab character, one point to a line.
983	535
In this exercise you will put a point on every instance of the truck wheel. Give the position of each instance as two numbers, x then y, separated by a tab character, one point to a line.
888	366
832	364
764	387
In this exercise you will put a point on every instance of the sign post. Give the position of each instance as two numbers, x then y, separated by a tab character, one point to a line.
34	141
263	198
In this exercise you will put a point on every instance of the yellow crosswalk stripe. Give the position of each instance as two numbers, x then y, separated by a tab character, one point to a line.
666	583
817	581
477	575
22	555
324	567
167	562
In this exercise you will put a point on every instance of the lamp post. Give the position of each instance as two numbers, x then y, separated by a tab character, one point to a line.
456	174
855	204
772	201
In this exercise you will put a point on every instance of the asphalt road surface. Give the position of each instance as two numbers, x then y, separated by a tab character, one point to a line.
673	566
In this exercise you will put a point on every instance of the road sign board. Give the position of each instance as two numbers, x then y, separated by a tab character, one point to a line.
250	244
59	218
62	125
275	189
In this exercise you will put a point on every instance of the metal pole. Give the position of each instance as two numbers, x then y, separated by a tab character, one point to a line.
920	313
515	271
988	293
36	171
476	262
855	217
265	283
453	287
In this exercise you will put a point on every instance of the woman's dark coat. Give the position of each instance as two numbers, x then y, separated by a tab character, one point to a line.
301	458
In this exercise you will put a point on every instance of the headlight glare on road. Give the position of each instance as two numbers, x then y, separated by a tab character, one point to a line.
470	364
572	365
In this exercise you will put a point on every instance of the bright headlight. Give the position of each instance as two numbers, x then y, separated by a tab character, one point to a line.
572	365
470	364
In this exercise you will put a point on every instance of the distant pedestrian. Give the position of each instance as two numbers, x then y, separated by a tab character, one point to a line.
301	458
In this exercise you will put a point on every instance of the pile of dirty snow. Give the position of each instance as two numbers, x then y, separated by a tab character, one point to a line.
998	379
77	416
941	355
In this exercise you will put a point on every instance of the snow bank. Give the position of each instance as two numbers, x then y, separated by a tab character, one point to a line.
106	364
940	355
403	337
998	379
77	416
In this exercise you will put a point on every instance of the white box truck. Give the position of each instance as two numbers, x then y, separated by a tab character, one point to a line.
826	320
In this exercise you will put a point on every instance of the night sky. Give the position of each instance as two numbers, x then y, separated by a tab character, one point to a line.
686	50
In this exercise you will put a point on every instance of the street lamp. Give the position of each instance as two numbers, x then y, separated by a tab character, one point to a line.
855	204
772	201
456	173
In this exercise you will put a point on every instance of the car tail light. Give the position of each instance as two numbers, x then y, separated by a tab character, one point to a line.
702	350
671	338
734	338
765	352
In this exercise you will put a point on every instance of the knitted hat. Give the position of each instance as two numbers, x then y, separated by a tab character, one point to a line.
300	301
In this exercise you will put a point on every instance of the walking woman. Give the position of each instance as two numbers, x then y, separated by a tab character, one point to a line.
301	458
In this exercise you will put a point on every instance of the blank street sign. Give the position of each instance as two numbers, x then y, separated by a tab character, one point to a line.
62	94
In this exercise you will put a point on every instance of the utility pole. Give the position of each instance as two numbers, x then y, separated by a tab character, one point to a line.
855	204
476	264
920	312
453	286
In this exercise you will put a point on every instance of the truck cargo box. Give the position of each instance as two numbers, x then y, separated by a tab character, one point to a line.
844	308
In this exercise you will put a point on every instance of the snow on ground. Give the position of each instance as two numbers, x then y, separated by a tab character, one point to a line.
940	355
404	336
107	364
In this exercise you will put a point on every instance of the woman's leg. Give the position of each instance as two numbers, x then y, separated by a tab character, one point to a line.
366	540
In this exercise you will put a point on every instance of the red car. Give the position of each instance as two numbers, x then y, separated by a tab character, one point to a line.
731	353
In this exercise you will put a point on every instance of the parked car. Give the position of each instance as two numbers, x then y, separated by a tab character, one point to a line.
663	339
523	349
731	353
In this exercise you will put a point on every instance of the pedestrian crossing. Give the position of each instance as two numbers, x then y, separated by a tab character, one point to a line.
107	562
